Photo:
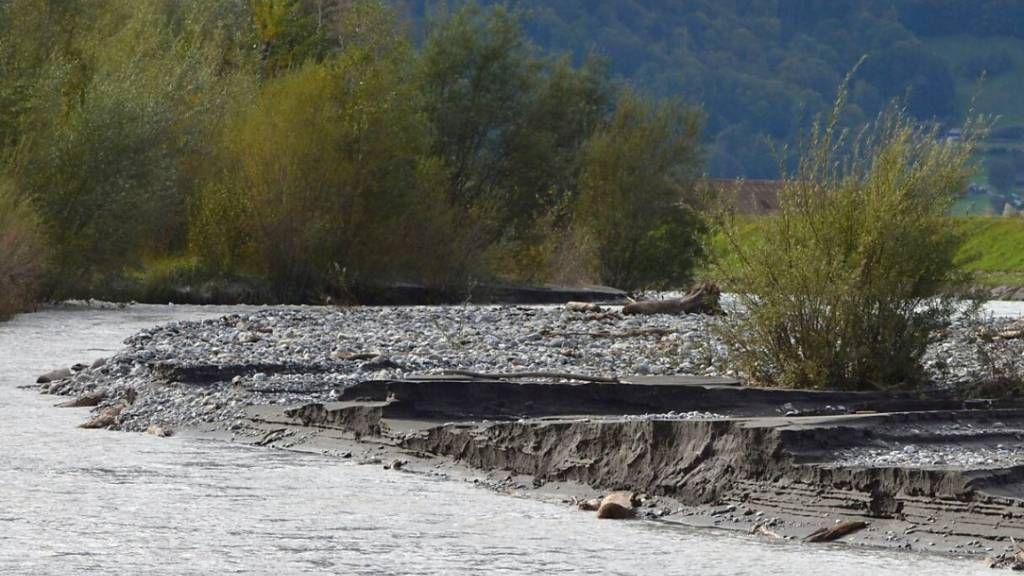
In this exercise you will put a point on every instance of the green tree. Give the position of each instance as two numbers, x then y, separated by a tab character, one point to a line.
637	196
543	152
287	35
476	71
116	129
322	175
22	252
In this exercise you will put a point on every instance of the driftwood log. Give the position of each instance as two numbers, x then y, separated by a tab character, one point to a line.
704	299
836	532
520	375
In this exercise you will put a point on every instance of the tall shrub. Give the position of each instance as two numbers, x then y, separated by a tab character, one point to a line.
850	279
636	192
326	177
118	122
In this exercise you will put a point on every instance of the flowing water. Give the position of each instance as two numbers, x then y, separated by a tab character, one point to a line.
75	502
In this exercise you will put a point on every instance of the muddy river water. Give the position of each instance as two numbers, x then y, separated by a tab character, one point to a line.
77	502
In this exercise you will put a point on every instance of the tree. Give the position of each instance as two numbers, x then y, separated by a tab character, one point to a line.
22	252
476	70
635	210
115	129
322	175
287	35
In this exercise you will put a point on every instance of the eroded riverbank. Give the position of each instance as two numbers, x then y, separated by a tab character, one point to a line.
243	378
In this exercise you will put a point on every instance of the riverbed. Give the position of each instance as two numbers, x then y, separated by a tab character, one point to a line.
77	501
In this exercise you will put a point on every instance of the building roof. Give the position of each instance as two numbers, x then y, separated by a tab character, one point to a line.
749	197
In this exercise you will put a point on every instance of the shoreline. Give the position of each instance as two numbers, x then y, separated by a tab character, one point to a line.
698	451
762	522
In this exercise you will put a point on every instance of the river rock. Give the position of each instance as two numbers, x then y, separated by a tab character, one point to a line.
158	431
53	376
94	398
617	506
104	419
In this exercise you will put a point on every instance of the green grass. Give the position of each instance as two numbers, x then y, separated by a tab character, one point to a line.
994	245
994	249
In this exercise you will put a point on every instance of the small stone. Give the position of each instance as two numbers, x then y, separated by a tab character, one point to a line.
158	431
53	376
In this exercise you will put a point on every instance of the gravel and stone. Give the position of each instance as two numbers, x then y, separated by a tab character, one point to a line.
313	353
935	456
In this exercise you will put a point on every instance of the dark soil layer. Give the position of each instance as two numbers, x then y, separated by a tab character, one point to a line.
254	291
749	467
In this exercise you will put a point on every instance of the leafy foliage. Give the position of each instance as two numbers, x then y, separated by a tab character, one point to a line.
323	171
22	255
847	284
636	170
115	128
307	142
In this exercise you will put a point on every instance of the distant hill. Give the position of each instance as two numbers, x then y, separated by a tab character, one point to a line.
762	68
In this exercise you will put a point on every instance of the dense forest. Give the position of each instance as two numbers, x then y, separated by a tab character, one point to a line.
760	69
319	146
316	145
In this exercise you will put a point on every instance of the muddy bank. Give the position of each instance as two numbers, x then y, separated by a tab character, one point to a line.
740	467
929	473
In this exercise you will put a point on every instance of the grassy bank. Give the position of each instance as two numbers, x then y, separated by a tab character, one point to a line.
994	248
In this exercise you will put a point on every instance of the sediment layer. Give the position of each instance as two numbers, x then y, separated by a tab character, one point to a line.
794	469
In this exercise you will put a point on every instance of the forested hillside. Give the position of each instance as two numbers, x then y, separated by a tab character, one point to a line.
760	68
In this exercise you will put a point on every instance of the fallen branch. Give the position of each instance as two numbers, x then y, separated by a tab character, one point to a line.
701	300
354	355
520	375
836	532
606	334
1014	561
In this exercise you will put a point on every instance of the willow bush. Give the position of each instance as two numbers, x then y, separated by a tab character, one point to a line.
851	278
325	178
638	171
21	252
116	125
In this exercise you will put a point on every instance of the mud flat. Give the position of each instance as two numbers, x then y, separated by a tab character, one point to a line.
930	473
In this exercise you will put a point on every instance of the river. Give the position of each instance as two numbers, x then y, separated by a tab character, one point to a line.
77	502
